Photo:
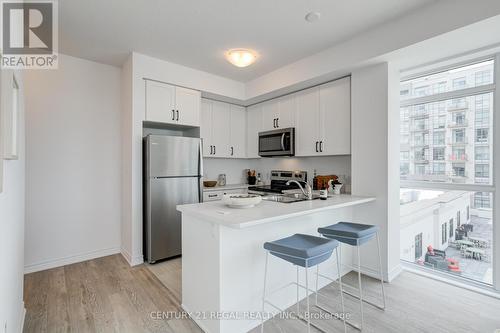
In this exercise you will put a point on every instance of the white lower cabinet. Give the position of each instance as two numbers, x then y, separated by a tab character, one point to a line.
217	195
223	129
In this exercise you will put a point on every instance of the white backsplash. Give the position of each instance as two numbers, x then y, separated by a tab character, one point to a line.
235	168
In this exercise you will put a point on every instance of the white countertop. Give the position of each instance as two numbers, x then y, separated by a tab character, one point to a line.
226	187
266	211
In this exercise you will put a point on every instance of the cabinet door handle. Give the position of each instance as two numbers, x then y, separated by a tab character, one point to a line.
211	149
317	146
173	114
212	195
274	123
215	150
177	115
321	146
232	151
277	122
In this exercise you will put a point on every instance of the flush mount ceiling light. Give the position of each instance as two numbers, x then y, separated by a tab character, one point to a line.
312	17
241	57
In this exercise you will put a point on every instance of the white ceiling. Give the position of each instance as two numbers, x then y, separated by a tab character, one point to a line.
195	33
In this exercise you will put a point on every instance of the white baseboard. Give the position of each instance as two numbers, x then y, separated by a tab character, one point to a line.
132	261
388	277
48	264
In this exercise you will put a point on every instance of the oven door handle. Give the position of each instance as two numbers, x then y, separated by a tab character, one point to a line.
283	141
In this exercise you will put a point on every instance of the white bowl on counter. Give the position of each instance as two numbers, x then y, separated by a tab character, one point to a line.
241	200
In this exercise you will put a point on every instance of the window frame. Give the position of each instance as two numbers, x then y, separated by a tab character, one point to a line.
494	140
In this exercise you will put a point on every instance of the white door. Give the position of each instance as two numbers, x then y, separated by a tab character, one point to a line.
307	123
187	106
254	126
237	148
160	102
286	111
335	117
221	122
270	111
206	126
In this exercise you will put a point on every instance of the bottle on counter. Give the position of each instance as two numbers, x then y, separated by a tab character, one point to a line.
323	193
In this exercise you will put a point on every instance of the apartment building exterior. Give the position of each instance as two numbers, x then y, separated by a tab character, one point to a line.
449	140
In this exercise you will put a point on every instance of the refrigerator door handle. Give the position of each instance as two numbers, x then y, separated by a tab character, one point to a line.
200	188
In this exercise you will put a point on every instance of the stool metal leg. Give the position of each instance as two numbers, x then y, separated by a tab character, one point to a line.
340	284
264	294
298	305
360	287
307	297
317	278
380	270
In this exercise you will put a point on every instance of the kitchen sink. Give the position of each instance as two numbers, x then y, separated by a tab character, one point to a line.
287	198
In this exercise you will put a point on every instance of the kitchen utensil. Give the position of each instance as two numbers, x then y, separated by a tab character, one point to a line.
222	179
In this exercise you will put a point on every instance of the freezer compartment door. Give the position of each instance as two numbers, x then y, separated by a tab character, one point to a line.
164	221
173	156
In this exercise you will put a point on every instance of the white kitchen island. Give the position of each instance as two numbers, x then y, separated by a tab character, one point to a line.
223	257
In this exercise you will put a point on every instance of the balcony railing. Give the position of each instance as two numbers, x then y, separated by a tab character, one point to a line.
458	106
458	157
457	143
464	123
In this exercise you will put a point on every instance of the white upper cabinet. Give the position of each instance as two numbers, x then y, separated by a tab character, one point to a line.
254	126
238	132
206	127
307	134
270	113
169	104
335	117
187	105
221	123
323	119
286	111
223	129
278	113
160	102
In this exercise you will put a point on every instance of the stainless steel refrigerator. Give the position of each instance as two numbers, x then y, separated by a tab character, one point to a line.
172	176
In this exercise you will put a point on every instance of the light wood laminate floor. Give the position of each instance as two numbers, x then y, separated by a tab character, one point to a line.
106	295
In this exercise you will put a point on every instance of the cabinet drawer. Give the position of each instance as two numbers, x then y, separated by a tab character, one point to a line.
217	195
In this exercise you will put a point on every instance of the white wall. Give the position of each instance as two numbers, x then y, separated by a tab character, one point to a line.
73	120
235	168
375	161
12	204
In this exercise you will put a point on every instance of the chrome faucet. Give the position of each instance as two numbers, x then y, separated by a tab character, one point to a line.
307	192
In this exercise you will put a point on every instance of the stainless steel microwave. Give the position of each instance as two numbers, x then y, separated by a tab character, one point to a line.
280	142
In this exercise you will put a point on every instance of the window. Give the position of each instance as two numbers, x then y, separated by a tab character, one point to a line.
450	229
404	168
482	200
459	83
449	130
458	154
458	170
404	155
484	77
482	153
418	246
438	154
438	168
482	135
482	110
482	170
444	233
459	136
438	138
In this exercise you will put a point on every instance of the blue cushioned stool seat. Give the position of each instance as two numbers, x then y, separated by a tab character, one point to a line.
301	249
349	233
